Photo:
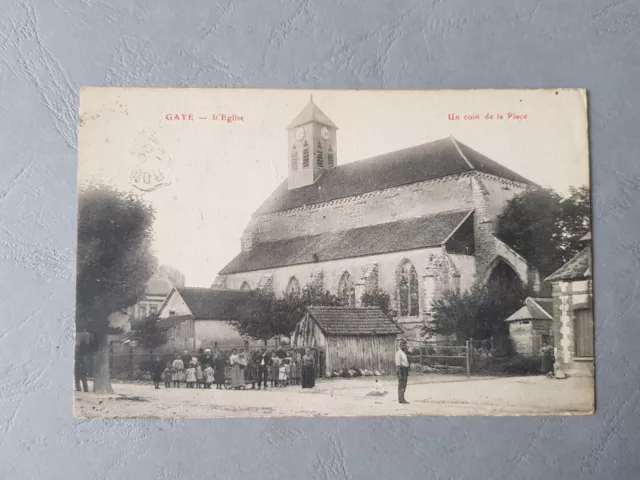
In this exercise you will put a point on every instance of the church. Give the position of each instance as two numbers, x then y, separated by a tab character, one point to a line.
412	223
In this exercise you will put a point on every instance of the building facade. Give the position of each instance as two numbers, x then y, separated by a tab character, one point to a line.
412	223
573	325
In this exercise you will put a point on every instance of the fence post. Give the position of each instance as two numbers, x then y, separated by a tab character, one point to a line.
468	359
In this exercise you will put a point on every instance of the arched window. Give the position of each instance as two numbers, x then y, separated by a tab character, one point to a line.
319	154
245	286
346	290
293	287
294	158
407	281
305	155
330	157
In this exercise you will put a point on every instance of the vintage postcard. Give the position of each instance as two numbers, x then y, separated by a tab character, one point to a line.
298	253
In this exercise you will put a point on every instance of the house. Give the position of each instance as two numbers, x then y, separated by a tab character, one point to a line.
350	337
415	223
573	328
530	326
200	317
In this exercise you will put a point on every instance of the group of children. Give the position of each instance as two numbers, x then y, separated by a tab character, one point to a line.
205	371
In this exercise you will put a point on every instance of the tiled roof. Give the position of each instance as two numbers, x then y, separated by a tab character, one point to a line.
311	113
427	231
428	161
353	321
207	303
577	268
534	309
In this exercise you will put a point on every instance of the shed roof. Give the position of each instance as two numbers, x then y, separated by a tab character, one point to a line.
345	321
534	309
409	234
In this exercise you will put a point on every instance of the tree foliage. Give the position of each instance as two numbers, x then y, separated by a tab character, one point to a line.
378	299
478	313
545	228
265	316
150	334
115	232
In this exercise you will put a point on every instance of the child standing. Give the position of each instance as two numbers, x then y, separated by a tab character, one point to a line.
293	371
177	371
167	375
199	376
282	374
275	371
208	376
191	376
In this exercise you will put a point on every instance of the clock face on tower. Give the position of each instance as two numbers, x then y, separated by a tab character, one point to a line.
324	132
300	133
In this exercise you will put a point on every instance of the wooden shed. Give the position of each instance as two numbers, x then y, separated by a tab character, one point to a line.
530	326
363	338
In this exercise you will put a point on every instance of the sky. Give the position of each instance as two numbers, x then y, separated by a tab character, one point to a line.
214	173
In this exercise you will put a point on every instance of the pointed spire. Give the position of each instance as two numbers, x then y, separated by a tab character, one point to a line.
311	113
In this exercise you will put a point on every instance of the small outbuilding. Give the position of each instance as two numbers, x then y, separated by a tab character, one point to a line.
530	328
350	337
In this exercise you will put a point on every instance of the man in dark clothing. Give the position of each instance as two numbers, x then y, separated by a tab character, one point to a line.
156	369
263	362
80	371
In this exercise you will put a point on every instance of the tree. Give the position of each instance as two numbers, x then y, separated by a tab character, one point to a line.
477	313
264	316
545	228
378	299
150	334
114	263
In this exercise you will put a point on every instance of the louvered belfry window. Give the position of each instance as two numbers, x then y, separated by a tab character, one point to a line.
305	155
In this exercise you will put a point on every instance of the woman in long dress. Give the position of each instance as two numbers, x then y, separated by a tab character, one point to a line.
308	370
218	368
242	364
234	361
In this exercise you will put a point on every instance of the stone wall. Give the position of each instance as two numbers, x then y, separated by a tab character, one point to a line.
567	297
382	206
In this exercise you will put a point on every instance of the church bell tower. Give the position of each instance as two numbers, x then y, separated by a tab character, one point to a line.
312	146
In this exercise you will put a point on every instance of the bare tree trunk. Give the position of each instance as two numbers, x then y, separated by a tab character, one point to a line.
102	375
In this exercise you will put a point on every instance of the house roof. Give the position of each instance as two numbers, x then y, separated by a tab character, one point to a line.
408	234
311	113
534	309
577	268
428	161
207	303
353	321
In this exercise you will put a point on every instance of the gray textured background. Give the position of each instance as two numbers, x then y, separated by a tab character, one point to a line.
49	48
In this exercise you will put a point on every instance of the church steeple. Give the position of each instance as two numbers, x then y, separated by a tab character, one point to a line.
312	145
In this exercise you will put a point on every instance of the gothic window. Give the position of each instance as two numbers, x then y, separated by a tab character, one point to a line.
305	155
330	157
407	280
319	154
245	286
346	290
294	158
293	287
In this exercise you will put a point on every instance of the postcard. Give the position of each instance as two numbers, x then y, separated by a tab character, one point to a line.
333	253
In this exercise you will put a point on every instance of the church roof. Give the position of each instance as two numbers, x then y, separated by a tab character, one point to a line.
207	303
353	321
311	113
428	161
409	234
575	269
534	309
